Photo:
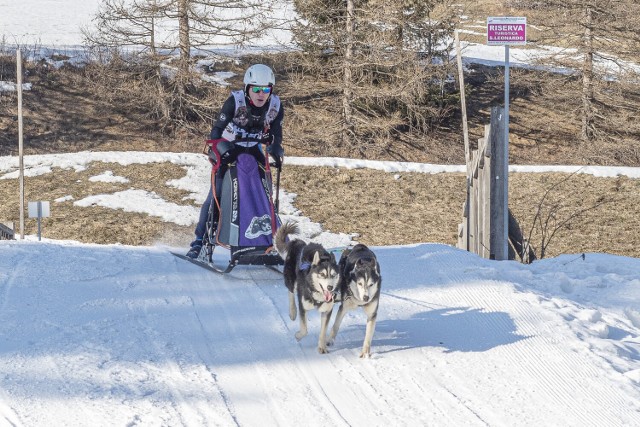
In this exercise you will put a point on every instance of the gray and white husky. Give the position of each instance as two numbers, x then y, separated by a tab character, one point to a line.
312	272
360	283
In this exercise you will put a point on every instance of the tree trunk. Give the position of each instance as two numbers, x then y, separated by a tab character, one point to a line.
347	90
152	38
588	127
183	31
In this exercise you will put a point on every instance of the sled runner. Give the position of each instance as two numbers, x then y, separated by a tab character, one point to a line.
243	216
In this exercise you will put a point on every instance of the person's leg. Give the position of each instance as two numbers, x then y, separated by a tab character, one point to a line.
204	215
201	227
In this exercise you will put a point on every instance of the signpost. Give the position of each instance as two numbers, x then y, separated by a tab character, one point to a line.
39	210
506	31
20	138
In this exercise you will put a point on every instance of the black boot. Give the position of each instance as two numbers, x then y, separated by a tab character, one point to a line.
196	246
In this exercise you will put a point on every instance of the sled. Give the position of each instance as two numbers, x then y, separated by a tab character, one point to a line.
243	218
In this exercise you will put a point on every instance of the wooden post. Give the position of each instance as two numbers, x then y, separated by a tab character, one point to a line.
463	102
473	218
465	128
487	192
499	174
20	138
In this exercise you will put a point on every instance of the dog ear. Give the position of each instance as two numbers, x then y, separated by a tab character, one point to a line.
316	258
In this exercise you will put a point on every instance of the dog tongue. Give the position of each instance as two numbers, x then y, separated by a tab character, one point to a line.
328	296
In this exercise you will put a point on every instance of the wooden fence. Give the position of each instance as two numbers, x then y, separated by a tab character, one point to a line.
484	228
6	232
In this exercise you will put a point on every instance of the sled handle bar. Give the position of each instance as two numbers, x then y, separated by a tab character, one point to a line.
277	201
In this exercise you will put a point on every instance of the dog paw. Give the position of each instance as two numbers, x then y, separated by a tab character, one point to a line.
330	342
300	335
366	354
323	350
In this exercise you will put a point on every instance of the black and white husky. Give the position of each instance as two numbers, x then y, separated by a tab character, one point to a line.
313	273
360	283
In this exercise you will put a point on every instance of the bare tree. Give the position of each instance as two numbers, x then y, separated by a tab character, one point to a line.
136	41
179	24
600	42
120	23
373	54
554	213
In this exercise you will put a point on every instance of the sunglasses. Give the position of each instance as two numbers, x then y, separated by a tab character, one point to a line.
258	89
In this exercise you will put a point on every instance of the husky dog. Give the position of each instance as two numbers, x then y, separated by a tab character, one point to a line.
360	283
312	272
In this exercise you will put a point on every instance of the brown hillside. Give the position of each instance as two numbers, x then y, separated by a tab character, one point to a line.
64	113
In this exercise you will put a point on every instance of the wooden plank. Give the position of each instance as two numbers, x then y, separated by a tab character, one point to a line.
476	217
475	161
6	231
499	180
486	210
473	209
487	147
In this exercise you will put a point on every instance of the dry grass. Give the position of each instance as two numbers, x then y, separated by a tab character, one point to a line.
414	207
96	224
381	208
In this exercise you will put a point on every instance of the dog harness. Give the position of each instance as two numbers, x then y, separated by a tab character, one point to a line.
239	129
302	266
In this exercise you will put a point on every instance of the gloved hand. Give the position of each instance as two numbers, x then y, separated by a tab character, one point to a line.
277	153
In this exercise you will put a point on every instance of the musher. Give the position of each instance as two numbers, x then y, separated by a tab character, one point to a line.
247	119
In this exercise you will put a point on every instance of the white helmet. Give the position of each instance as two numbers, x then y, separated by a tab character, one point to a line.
259	75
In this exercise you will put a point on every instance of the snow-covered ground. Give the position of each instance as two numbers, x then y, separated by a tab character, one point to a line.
111	335
45	22
59	24
102	335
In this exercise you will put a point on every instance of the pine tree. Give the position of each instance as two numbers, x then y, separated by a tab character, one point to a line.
596	35
387	60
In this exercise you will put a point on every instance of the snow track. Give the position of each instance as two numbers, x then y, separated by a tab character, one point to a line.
101	335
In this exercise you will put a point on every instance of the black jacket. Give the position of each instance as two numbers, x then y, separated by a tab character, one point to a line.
228	111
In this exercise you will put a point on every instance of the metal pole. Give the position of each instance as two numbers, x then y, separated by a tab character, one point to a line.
505	181
277	204
20	138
